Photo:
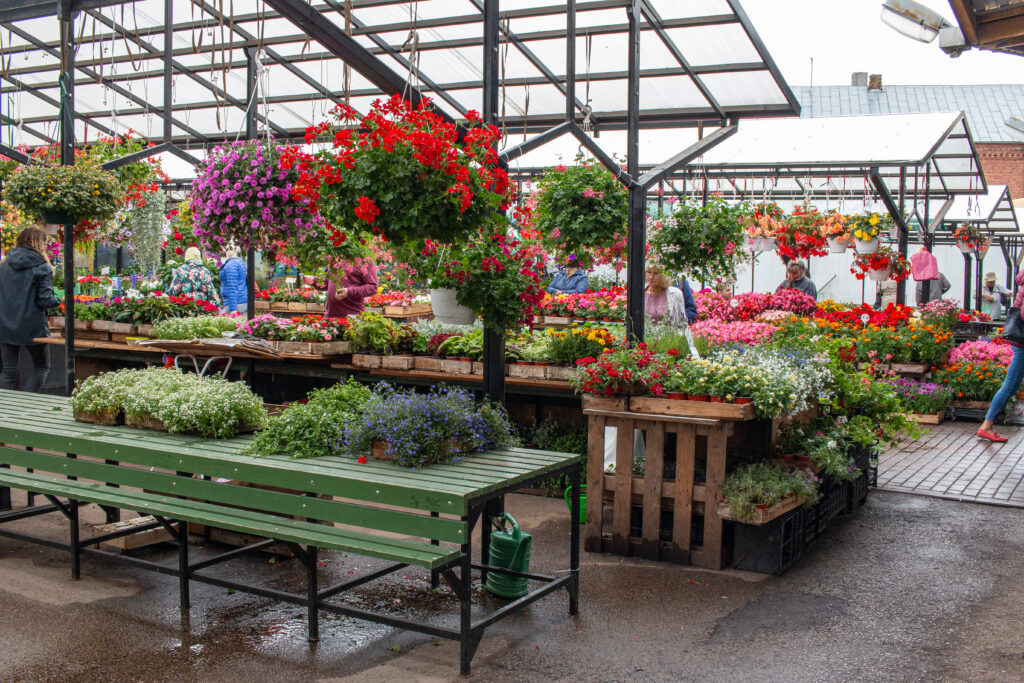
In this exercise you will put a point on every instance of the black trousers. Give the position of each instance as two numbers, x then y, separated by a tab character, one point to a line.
40	355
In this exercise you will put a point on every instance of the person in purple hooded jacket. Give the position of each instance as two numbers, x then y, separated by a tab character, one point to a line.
349	287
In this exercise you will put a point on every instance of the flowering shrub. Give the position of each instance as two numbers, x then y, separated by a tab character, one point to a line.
720	333
610	303
619	371
700	240
392	298
307	328
792	300
579	209
800	234
867	227
303	295
836	227
568	346
920	397
969	235
892	315
402	173
418	430
883	259
971	381
764	220
83	192
240	195
921	343
944	312
981	351
746	306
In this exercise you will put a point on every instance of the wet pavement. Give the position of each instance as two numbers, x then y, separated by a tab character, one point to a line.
907	589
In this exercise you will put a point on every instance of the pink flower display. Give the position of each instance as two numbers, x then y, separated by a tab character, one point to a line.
794	301
720	333
981	351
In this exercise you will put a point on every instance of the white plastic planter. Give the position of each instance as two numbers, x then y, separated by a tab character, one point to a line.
866	247
447	309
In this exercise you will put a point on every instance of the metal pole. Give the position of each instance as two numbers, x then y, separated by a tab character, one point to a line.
250	256
904	241
67	158
636	237
570	60
494	340
967	280
168	67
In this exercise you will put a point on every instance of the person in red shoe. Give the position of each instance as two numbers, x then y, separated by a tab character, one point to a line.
1014	376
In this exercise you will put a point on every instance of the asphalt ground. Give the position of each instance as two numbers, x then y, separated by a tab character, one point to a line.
906	589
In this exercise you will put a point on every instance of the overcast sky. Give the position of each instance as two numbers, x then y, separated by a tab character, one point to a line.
843	36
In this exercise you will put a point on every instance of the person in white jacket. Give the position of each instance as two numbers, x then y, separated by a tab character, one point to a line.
662	301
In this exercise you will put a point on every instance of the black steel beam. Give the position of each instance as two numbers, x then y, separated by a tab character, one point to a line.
104	80
698	148
67	158
14	154
570	60
636	231
345	47
616	169
168	71
148	152
890	204
32	131
494	340
537	141
181	68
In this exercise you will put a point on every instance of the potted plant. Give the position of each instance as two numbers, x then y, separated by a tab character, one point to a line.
865	229
836	230
626	370
418	430
579	209
64	195
700	240
761	225
800	235
881	265
969	237
244	194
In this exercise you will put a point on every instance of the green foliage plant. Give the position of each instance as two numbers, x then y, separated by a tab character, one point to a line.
703	241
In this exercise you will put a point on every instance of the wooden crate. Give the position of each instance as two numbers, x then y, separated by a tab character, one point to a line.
112	327
279	306
457	367
365	360
560	373
144	329
136	540
970	405
926	419
427	363
666	406
591	402
762	516
406	311
297	306
262	305
315	308
314	348
398	362
651	491
526	371
104	418
55	322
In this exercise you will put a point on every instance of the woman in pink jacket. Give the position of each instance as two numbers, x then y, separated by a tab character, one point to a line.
1014	375
349	287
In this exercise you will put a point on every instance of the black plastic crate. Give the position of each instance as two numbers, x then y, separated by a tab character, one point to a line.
830	506
771	548
861	456
857	492
872	473
809	524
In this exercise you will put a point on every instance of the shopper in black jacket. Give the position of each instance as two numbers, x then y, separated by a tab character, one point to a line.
26	294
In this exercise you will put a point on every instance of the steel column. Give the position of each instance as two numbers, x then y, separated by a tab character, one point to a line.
901	286
250	256
570	60
168	67
636	238
494	340
67	158
967	279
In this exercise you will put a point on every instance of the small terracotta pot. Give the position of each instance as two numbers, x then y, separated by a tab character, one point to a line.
452	357
803	459
716	399
675	395
698	397
761	506
743	400
788	458
466	359
545	363
606	320
524	362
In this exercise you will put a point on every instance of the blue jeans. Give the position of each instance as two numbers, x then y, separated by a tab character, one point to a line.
1014	375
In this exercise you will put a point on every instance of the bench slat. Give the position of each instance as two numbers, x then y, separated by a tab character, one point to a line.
233	519
422	526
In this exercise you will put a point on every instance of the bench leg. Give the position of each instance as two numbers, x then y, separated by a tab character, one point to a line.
183	570
435	576
76	547
574	543
466	644
312	594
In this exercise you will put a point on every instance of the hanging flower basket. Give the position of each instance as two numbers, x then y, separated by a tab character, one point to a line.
837	246
880	275
762	243
64	195
866	246
447	309
969	238
966	247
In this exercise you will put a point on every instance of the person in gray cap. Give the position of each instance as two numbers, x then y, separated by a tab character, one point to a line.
993	297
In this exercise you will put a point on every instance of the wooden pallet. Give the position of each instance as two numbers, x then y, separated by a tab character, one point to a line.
136	540
761	516
666	406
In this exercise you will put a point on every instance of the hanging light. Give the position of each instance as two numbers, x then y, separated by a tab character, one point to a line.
913	19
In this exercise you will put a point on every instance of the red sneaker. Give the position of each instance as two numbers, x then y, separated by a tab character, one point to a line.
991	436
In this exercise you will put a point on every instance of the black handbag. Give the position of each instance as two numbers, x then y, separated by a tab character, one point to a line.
1013	330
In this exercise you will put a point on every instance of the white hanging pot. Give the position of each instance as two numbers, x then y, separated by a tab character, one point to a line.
880	275
763	243
866	247
448	310
51	228
965	248
837	246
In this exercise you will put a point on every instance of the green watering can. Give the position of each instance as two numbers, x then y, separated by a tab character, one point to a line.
583	502
509	550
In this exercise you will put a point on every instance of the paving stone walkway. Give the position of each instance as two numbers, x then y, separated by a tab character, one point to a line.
952	462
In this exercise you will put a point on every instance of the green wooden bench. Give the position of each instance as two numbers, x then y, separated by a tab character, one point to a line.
180	479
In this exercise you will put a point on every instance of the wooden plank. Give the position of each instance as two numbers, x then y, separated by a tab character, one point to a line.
708	421
623	486
761	516
682	515
712	522
292	504
280	528
140	539
664	406
653	473
595	484
926	419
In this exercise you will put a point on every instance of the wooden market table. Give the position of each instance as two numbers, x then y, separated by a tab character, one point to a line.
180	479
